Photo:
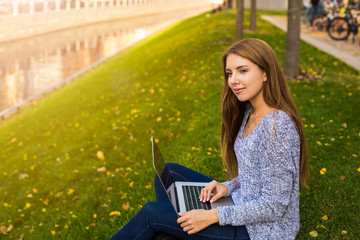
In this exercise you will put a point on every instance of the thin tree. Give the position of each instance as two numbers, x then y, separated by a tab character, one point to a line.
253	16
230	4
239	20
292	55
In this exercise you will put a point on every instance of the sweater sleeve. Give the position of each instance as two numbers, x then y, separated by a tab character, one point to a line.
232	185
278	170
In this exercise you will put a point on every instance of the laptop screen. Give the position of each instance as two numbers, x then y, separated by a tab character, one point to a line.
163	171
160	166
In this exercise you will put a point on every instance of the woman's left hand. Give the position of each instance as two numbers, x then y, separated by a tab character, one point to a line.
196	220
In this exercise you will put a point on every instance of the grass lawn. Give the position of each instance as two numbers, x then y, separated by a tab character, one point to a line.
77	163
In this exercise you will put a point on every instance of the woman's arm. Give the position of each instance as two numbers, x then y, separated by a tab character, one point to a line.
275	197
280	154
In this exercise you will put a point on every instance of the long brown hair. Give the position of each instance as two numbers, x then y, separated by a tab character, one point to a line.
276	95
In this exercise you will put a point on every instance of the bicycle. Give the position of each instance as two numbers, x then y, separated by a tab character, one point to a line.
322	21
341	27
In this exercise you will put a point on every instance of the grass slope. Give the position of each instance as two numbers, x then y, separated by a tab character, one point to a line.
77	164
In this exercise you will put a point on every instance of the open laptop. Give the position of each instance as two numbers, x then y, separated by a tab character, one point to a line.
184	196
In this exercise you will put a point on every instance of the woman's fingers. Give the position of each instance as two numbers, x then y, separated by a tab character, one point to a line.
205	194
185	224
214	187
182	218
187	229
202	194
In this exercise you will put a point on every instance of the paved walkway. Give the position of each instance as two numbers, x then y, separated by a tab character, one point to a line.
347	52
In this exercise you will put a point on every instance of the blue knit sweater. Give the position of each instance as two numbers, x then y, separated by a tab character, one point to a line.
266	191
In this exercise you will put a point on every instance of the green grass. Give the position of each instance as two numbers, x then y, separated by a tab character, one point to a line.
54	183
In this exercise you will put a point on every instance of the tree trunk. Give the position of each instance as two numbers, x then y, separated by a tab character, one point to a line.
292	56
230	4
253	16
239	20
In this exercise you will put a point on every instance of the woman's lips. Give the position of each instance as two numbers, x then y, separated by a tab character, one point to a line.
238	90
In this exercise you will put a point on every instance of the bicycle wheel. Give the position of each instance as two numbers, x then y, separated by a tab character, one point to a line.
319	25
339	28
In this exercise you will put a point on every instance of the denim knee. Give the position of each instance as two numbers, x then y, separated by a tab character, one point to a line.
149	208
171	165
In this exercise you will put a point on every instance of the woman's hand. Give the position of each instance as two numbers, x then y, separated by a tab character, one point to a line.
196	220
219	189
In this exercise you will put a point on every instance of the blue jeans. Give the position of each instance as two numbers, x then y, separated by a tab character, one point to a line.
315	10
160	216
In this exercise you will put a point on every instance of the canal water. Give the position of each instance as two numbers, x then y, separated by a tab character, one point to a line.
33	66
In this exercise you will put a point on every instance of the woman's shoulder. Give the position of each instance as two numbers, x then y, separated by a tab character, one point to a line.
280	122
278	117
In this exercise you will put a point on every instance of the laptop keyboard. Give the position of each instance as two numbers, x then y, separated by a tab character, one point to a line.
192	194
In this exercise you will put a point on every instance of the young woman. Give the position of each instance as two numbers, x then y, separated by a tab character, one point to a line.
264	150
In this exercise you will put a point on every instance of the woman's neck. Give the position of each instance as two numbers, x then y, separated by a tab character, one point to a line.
258	106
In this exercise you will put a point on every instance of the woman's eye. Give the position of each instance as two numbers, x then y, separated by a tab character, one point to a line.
243	70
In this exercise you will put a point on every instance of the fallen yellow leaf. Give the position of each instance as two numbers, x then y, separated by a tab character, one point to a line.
100	155
10	228
314	234
115	213
126	206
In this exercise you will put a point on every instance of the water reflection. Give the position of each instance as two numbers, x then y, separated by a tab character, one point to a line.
32	66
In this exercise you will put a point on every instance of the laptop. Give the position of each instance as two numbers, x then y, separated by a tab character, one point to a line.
184	196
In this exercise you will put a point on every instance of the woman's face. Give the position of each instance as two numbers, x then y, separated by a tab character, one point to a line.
245	78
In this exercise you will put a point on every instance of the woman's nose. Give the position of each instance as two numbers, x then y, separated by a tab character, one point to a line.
233	79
